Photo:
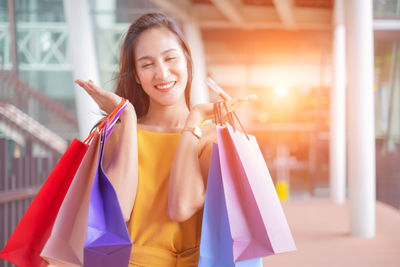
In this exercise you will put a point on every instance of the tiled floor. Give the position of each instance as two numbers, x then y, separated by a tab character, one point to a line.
321	232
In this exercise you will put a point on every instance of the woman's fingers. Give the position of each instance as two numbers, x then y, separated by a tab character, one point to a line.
231	105
235	103
107	101
89	89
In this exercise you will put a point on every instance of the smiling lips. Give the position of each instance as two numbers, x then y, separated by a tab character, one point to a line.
165	87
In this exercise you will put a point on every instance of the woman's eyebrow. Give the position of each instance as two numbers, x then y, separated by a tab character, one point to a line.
144	57
169	50
164	52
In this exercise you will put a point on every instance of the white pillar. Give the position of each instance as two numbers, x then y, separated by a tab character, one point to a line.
199	90
337	143
361	134
84	62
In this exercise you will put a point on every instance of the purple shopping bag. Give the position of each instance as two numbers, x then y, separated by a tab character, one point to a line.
107	239
216	239
257	222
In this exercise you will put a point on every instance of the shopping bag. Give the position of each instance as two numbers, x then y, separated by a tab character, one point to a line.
216	240
29	237
26	242
256	219
65	244
107	241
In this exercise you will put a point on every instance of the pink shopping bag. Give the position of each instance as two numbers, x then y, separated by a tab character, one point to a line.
256	219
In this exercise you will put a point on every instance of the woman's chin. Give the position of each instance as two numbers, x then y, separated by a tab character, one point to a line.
168	100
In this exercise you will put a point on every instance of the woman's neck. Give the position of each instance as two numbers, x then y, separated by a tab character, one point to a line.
165	117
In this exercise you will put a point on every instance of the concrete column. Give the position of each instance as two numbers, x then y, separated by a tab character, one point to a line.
199	90
337	143
361	131
84	62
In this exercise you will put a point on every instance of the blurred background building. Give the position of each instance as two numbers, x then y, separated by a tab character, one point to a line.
291	53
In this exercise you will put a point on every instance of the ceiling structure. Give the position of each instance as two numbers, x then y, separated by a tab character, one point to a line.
253	14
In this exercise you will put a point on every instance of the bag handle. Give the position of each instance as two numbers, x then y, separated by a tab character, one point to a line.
110	126
217	106
230	117
113	116
219	119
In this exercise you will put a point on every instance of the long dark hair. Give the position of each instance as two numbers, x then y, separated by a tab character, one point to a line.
127	85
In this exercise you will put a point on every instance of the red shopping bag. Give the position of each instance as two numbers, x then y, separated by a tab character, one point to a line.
256	219
26	242
29	237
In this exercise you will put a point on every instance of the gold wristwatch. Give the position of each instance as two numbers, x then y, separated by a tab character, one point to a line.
196	131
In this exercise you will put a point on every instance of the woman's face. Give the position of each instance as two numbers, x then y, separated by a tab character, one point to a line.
161	66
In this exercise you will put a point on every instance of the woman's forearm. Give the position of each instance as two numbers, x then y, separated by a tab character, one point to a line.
186	191
186	187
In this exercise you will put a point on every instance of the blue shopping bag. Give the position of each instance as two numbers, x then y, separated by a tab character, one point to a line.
107	241
216	240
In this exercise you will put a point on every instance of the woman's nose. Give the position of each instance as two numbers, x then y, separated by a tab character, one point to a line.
162	71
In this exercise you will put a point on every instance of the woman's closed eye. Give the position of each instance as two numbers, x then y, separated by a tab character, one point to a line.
146	65
170	58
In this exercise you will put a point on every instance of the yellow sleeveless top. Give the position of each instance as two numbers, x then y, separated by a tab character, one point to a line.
149	225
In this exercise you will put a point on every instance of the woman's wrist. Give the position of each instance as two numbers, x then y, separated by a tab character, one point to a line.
194	119
128	113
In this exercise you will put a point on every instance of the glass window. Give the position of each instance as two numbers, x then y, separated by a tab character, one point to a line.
5	48
387	87
386	8
3	11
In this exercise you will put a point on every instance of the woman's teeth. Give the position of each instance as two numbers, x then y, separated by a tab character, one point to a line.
165	86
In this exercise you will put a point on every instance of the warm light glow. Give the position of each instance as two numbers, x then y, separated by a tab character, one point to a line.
263	117
280	90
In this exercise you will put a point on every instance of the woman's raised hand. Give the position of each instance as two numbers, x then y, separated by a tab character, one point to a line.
205	111
107	101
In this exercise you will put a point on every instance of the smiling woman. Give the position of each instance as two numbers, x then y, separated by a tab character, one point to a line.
156	158
144	51
161	67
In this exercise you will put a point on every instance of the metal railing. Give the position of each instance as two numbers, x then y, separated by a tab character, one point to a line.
35	104
22	173
44	46
28	152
